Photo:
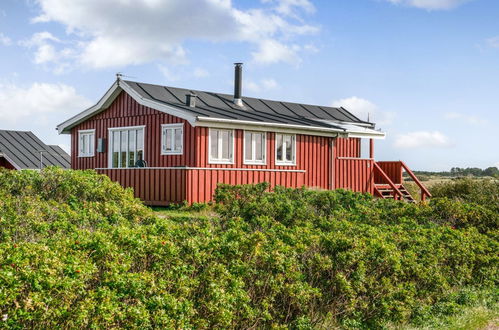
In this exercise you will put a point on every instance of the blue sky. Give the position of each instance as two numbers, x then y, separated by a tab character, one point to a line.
427	71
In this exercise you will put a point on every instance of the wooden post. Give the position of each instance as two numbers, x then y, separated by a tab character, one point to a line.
371	148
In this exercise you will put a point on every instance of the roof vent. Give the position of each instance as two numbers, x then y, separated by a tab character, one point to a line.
238	83
190	100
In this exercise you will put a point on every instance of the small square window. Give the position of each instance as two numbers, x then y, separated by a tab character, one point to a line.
221	142
172	139
86	143
285	145
255	147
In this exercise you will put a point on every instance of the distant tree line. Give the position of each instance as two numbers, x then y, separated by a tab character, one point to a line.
468	171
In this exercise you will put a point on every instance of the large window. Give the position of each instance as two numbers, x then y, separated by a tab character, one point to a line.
126	146
285	146
172	139
254	147
86	143
221	143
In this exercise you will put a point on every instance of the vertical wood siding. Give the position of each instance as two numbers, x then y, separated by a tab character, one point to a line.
350	171
201	184
153	186
392	169
347	147
354	174
313	160
124	112
196	183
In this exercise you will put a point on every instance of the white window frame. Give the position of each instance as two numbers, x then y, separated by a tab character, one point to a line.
285	162
91	134
252	161
231	149
164	128
110	143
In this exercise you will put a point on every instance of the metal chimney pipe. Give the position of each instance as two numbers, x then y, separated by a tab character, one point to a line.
238	83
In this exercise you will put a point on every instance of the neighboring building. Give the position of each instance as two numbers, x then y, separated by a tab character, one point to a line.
21	150
173	145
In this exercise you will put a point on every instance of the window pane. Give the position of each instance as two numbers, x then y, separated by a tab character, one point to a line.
258	146
168	139
289	148
124	147
140	144
225	145
84	144
91	142
279	146
116	148
247	146
178	139
131	148
214	144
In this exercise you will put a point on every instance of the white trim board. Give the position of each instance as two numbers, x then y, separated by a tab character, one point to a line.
205	168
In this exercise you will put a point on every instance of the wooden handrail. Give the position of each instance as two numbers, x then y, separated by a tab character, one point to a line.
424	191
390	182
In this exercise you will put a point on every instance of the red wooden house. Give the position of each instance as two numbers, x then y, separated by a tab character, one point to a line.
173	145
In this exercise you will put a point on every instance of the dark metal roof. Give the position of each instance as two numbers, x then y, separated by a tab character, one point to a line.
221	106
23	149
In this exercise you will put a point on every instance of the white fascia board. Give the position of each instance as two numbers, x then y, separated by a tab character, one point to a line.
375	136
110	96
268	127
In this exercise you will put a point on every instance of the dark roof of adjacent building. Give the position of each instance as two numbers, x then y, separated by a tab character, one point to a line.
218	105
22	149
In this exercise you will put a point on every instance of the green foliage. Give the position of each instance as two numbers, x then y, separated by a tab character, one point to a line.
78	251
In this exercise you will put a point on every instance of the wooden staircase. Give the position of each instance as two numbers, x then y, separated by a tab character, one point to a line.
388	182
387	192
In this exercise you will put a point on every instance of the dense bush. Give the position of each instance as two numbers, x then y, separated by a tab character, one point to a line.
76	250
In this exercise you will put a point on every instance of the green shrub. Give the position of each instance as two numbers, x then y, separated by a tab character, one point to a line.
78	251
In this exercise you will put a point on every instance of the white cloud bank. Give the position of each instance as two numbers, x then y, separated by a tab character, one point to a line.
115	33
422	139
262	85
38	100
430	4
363	108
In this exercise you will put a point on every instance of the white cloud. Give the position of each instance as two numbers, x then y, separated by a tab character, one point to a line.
363	108
493	42
38	100
262	85
420	139
469	119
272	51
47	51
289	7
4	40
201	73
430	4
133	32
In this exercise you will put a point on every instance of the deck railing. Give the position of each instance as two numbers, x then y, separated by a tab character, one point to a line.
392	171
354	173
380	173
424	192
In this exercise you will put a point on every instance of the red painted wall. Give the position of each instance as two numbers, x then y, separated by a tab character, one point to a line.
5	164
314	155
123	112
